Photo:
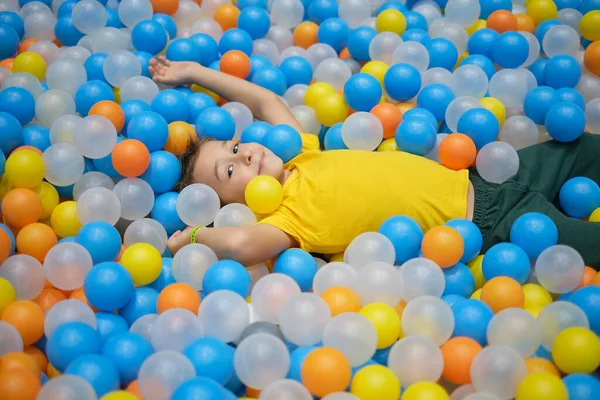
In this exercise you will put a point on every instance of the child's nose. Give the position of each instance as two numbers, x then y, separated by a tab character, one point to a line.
247	156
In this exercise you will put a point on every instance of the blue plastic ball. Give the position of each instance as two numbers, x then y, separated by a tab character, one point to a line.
149	36
392	5
236	39
297	70
284	141
165	212
406	236
108	286
489	6
149	128
94	66
163	172
459	280
97	370
506	259
480	125
216	123
255	132
36	136
65	191
299	265
9	41
183	49
18	102
91	93
255	21
481	42
452	299
13	20
241	4
538	102
537	69
271	78
127	352
362	92
358	43
436	98
211	358
471	319
69	341
197	103
66	8
415	136
5	228
209	49
166	275
113	20
579	197
168	23
482	62
227	275
132	108
471	236
101	239
66	33
442	53
199	388
257	63
562	71
565	122
534	232
334	32
297	358
105	164
320	10
588	299
510	50
414	20
333	138
142	302
172	105
543	28
402	82
571	95
561	4
588	5
144	58
12	133
416	35
109	324
582	386
421	113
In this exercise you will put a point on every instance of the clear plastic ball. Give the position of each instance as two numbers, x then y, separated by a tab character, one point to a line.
412	53
67	387
5	74
133	11
497	162
9	5
352	334
559	269
98	204
97	137
437	75
120	66
380	282
570	17
269	295
434	154
362	131
89	16
333	71
40	25
235	214
592	116
287	13
224	314
589	87
454	32
25	274
561	39
288	389
52	104
257	272
207	26
354	12
143	325
480	396
32	7
293	51
175	329
319	52
281	36
67	311
303	318
191	262
498	370
422	277
340	396
108	40
534	48
91	180
64	129
416	358
139	88
187	13
146	230
23	80
66	265
162	372
10	339
430	10
516	328
335	274
265	47
470	80
77	53
430	317
463	12
85	42
260	360
519	132
369	247
242	116
198	204
383	45
558	316
353	65
47	49
457	108
210	6
136	197
295	95
307	118
461	392
508	86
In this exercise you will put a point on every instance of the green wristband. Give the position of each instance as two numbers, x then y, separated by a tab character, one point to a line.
193	234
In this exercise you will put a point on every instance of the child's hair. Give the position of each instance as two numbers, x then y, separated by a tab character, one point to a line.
188	161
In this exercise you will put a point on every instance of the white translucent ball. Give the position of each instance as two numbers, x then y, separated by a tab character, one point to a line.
519	132
64	164
25	274
52	104
589	87
354	12
534	48
362	131
89	16
340	396
187	13
294	96
139	88
480	396
383	45
293	51
335	274
570	17
66	74
288	389
242	116
303	318
66	265
198	204
437	75
516	328
191	263
10	339
319	52
209	27
257	272
352	334
136	197
462	392
592	116
97	137
260	360
64	129
120	66
369	247
558	316
31	8
281	36
307	118
143	325
470	80
559	269
430	317
429	10
497	162
412	53
380	282
334	72
561	39
23	80
40	25
269	295
9	5
47	49
353	65
508	86
108	40
162	372
146	230
5	73
235	214
498	370
175	329
77	53
416	358
209	6
133	11
90	180
67	311
67	387
455	33
457	108
422	277
266	47
98	204
224	314
287	13
85	42
463	12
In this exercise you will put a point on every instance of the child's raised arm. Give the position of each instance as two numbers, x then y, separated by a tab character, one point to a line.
264	104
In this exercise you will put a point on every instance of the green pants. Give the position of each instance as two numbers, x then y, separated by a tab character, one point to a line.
543	169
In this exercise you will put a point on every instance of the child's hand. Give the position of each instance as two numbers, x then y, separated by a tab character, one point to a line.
179	239
169	72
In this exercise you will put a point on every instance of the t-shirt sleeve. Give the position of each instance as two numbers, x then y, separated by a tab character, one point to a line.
310	142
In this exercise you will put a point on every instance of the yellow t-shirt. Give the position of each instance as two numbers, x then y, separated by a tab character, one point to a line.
333	196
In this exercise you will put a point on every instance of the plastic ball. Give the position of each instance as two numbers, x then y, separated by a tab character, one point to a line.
120	66
19	103
415	136
362	131
585	298
442	53
362	92
270	293
386	321
517	329
174	329
98	204
405	235
297	264
379	282
11	339
66	265
24	169
136	198
89	16
261	359
335	274
341	333
303	319
559	269
422	277
589	25
131	158
108	286
133	11
407	360
52	104
579	197
211	359
110	325
30	62
576	350
542	385
143	262
10	41
149	36
558	316
480	125
458	354
263	194
506	259
498	370
422	389
470	80
69	341
375	382
127	351
139	88
534	232
390	21
67	387
402	82
97	370
142	303
102	240
541	10
519	132
97	137
162	372
561	39
224	314
63	219
369	247
581	386
325	370
89	94
562	71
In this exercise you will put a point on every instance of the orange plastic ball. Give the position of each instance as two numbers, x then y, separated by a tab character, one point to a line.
404	107
502	292
134	389
178	295
4	245
36	240
345	53
7	63
252	393
227	16
235	63
596	280
340	300
458	354
28	319
588	277
38	356
305	34
525	23
591	57
457	151
541	365
52	372
130	158
79	294
168	7
19	384
19	360
180	134
502	21
390	117
21	207
48	298
30	148
443	245
111	111
325	370
26	44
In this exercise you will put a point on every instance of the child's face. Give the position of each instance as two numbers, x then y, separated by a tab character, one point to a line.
227	167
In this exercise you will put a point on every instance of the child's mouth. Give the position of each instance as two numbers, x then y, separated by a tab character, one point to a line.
261	163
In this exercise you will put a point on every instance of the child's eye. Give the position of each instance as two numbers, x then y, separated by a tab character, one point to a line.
235	148
230	170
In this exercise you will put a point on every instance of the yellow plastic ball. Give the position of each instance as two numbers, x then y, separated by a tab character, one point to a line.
542	386
576	350
49	196
143	262
210	93
5	186
425	390
478	25
117	93
338	257
460	59
534	310
496	107
476	270
391	21
595	216
7	294
375	382
30	62
263	194
119	395
541	10
25	169
388	145
316	92
590	25
386	322
536	296
377	69
476	295
331	109
63	219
